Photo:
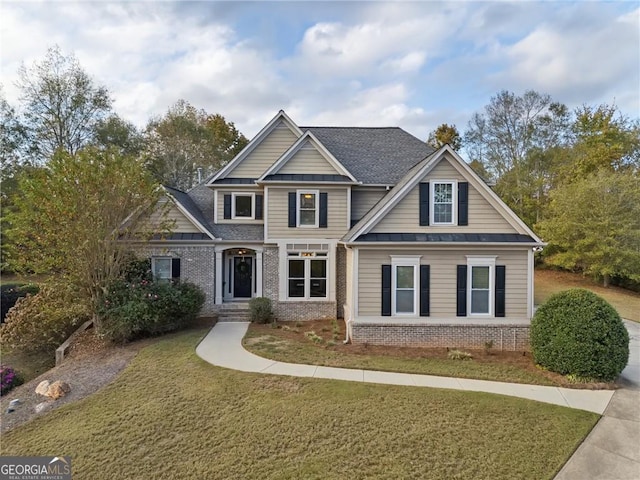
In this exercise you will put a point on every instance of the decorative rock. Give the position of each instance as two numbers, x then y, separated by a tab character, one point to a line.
14	402
43	387
58	389
40	407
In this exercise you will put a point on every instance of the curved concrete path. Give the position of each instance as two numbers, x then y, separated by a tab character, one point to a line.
223	347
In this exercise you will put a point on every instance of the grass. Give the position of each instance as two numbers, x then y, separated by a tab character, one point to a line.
172	416
548	282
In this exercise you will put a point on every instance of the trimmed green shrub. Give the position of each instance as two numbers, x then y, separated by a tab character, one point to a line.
578	333
43	321
145	308
11	292
260	310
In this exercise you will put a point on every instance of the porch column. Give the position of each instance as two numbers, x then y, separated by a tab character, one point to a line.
258	273
219	278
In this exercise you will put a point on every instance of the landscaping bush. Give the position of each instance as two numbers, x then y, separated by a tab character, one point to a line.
260	310
578	333
136	309
11	292
8	379
41	322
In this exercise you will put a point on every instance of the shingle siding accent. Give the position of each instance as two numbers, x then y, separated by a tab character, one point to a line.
504	337
197	265
290	311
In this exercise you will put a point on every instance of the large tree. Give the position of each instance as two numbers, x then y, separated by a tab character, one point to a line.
185	140
61	104
75	217
593	225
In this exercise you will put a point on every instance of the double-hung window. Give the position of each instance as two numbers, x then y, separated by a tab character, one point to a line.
443	201
243	206
404	285
481	274
161	268
307	275
308	208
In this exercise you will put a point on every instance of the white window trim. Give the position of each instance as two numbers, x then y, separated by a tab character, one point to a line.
153	267
307	277
283	262
481	261
233	205
454	201
405	261
299	204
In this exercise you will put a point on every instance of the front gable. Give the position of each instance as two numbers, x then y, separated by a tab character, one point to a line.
261	152
442	199
182	219
307	158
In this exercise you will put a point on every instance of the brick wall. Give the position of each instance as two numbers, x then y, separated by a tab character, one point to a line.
289	311
197	265
504	337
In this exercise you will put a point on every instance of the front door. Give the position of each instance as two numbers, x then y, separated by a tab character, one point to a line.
242	268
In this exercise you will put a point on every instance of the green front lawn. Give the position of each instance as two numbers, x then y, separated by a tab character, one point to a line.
171	415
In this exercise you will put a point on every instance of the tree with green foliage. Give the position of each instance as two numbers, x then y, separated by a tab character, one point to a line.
77	217
187	139
61	104
114	131
593	225
445	135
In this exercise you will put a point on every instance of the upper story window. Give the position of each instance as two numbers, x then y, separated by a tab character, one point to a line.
243	206
308	208
443	201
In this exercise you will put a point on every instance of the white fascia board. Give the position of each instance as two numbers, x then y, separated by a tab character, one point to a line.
191	218
326	154
268	128
511	217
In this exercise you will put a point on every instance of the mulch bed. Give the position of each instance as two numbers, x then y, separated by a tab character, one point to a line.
522	360
91	364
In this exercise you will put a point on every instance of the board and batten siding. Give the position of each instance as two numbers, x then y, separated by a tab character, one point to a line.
266	153
442	279
404	217
363	199
308	160
220	193
278	213
170	213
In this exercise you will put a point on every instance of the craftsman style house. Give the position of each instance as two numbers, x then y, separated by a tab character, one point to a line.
405	243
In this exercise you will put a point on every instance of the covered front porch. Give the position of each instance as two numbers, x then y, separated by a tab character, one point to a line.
238	273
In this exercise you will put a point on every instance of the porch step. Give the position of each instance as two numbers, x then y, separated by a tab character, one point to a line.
234	312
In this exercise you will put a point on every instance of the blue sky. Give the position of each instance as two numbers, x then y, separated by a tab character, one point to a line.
409	64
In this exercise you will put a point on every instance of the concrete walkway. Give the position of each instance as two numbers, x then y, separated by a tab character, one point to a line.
223	347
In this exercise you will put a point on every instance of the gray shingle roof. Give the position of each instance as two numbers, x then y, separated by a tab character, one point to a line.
373	155
189	205
446	237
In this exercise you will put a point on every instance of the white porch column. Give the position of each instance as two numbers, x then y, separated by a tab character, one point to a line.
258	273
219	278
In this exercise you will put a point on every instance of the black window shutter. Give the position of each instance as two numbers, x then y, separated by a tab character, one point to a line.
424	204
386	290
258	215
461	291
175	268
227	206
463	203
322	214
500	290
292	209
425	272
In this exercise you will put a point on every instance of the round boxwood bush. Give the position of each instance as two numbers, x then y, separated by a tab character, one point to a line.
578	333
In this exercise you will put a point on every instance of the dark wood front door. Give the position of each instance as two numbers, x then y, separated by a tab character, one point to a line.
242	277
